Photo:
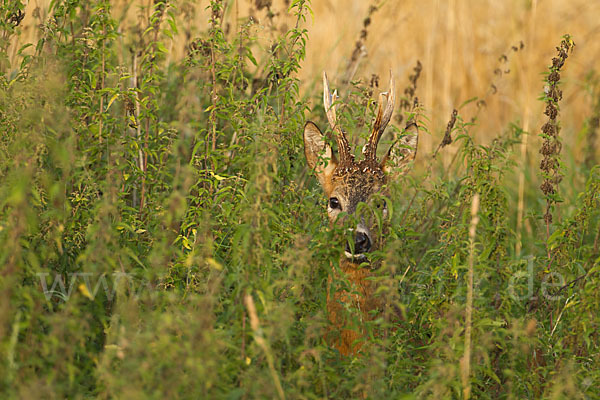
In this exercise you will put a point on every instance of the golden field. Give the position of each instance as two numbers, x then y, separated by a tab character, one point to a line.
461	45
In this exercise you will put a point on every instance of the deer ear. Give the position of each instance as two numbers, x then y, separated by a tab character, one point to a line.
402	151
319	154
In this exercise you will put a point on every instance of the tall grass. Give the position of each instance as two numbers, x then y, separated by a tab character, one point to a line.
162	237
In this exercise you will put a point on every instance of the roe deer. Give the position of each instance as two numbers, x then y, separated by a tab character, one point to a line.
348	183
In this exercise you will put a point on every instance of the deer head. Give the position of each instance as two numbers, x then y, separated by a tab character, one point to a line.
348	183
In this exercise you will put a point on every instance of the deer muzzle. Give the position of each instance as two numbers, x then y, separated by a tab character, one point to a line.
362	243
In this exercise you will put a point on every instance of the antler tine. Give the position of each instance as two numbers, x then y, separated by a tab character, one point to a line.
329	100
382	120
389	108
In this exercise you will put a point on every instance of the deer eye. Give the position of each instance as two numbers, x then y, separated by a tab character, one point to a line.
334	203
381	204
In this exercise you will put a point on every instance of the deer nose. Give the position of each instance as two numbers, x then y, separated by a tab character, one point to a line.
362	244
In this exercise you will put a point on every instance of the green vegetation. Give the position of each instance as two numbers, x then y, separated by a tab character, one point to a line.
161	236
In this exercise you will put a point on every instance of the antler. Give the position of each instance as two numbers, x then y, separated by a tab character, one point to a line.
381	121
330	108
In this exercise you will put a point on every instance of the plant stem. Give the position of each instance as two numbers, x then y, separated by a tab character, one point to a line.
466	360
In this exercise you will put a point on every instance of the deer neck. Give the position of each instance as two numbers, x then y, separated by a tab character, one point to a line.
356	272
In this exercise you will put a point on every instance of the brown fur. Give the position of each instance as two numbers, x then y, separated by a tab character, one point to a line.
359	297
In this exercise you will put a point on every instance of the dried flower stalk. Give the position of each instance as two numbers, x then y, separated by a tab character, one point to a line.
551	145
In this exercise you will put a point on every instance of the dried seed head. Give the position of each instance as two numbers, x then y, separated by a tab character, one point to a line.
551	145
551	111
16	18
548	164
447	135
548	128
554	77
547	148
260	4
374	81
548	217
547	187
557	62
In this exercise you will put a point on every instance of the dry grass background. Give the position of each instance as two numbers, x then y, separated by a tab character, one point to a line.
460	43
